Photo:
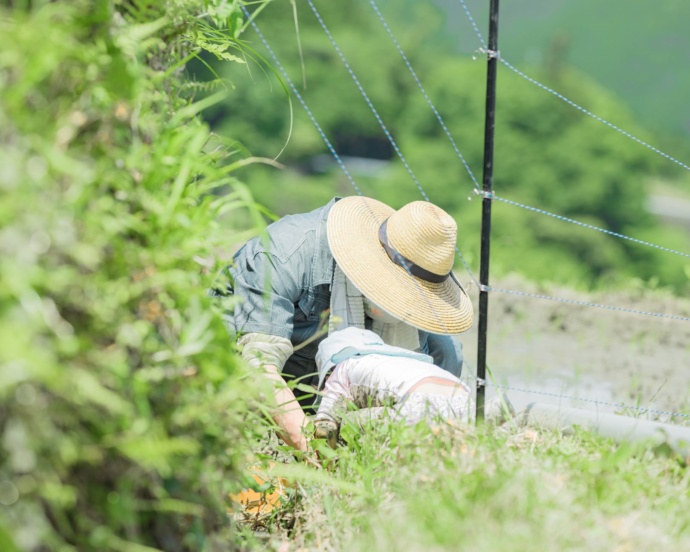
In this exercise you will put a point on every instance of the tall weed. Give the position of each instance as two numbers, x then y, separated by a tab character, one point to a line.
121	400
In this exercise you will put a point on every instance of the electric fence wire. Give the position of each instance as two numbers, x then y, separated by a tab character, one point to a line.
641	409
373	109
318	127
287	78
586	304
472	379
589	226
424	93
562	97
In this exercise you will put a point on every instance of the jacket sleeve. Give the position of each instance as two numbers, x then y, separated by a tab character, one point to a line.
262	349
267	286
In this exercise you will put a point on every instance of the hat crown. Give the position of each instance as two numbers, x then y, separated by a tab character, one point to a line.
421	233
425	234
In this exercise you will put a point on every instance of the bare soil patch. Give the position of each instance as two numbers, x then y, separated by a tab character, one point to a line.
586	352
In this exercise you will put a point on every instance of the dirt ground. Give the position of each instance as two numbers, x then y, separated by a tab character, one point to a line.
558	350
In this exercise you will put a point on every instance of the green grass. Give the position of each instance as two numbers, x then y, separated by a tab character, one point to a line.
632	47
121	398
443	488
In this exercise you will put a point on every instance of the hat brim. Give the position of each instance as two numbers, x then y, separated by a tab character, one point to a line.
353	226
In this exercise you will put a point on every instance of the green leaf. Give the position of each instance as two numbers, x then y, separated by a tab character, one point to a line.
156	453
88	388
194	109
6	542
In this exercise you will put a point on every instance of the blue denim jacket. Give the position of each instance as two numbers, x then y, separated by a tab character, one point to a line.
284	280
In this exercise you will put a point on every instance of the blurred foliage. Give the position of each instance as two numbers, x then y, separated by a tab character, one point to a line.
121	399
632	47
548	154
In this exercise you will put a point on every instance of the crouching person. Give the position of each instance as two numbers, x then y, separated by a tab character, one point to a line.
355	262
356	366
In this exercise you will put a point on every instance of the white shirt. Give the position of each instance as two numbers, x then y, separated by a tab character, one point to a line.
376	380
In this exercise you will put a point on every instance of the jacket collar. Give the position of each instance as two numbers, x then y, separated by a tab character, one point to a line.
324	263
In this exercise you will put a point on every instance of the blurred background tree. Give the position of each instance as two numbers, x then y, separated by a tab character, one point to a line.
548	154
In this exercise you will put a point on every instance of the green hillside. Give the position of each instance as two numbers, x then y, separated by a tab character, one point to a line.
635	48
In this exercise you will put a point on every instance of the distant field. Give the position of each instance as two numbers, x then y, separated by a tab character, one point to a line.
589	353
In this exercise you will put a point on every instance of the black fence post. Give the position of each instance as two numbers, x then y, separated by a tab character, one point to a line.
487	190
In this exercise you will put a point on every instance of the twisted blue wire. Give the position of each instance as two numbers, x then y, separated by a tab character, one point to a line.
586	304
567	100
590	226
426	96
301	101
474	25
594	116
641	409
367	99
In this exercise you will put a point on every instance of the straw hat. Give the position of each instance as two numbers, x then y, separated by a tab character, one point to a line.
401	260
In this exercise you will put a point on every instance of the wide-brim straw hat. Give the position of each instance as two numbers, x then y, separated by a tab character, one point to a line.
410	276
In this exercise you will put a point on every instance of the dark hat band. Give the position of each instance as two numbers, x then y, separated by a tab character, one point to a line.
399	259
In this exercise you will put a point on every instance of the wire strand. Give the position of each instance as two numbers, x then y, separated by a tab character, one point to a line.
589	226
330	147
424	93
586	304
642	409
564	98
373	109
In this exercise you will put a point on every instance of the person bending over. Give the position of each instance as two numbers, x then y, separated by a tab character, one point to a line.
357	367
355	262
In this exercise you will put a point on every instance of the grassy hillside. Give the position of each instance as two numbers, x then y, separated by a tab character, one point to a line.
517	489
445	488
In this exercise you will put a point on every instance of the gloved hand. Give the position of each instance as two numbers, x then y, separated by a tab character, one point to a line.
328	430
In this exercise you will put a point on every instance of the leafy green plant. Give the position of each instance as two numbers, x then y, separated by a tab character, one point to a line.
121	398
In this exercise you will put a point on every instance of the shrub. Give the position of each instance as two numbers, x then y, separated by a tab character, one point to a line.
120	393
